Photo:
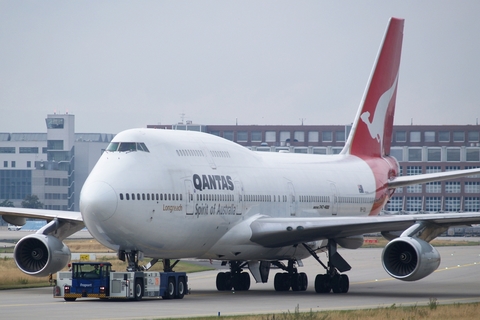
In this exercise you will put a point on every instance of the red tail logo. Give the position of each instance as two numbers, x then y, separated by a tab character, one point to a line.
371	133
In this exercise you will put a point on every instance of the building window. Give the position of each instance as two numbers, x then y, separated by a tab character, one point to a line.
256	136
319	150
270	136
14	164
415	136
299	136
29	164
472	187
44	150
401	136
55	144
452	204
458	136
434	154
473	136
5	164
395	204
7	149
414	204
414	189
228	135
429	136
397	153
242	136
472	204
473	154
327	136
215	133
28	150
452	187
340	136
284	136
300	150
433	204
444	136
313	136
433	187
55	123
433	169
453	154
336	150
414	154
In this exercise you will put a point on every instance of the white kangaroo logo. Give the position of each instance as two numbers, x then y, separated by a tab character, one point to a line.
376	126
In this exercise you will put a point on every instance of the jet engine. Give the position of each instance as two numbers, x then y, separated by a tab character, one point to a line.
409	259
39	255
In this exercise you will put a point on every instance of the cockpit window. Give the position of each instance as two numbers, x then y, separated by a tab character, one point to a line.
127	147
113	146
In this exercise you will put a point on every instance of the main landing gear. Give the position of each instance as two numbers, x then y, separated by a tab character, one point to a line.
235	279
332	280
291	278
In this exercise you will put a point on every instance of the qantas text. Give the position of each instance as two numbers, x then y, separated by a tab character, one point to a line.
212	182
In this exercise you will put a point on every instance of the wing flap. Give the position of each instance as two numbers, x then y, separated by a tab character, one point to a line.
278	232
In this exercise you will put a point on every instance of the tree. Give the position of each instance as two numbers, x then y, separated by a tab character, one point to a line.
6	203
31	201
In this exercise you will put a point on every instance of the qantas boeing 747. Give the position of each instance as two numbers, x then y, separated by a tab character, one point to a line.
169	194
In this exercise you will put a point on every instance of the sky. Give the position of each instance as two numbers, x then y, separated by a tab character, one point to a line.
117	65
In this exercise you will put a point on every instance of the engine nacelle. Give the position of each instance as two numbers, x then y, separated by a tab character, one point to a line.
39	255
409	259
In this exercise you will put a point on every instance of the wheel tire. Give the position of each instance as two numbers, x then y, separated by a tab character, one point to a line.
181	288
303	279
322	283
295	283
228	281
221	281
277	282
336	285
138	289
245	278
344	283
170	291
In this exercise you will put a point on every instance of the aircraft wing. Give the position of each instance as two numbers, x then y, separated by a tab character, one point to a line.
277	232
61	223
431	177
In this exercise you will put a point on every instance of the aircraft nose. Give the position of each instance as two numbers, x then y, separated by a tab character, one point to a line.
98	199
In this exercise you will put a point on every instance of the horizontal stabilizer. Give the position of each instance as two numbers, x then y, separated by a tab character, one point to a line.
431	177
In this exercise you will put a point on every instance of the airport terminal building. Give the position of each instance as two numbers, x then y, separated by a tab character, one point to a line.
418	149
52	165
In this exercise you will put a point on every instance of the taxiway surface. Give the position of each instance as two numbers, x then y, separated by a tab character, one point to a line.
456	281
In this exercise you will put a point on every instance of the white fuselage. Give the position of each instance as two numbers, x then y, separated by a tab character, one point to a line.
194	195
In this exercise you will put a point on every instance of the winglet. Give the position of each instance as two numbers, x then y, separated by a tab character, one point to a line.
371	132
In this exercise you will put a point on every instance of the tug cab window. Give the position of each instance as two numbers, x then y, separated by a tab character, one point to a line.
127	147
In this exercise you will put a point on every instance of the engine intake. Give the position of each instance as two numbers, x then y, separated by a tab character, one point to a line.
39	255
409	259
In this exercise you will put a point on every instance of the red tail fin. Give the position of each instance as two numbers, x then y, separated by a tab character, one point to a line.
371	132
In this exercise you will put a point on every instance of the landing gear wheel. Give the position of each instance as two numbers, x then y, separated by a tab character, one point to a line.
221	281
170	292
138	290
322	283
281	282
181	289
241	281
303	281
340	283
